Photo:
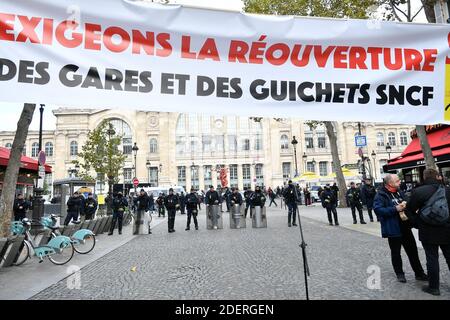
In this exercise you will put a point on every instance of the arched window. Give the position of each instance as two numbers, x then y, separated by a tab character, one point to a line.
49	149
34	149
8	145
403	138
73	149
380	139
391	138
153	145
123	130
284	141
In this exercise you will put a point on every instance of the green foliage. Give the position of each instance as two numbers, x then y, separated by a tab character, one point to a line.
316	8
101	155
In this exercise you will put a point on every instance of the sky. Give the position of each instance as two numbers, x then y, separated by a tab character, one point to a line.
10	112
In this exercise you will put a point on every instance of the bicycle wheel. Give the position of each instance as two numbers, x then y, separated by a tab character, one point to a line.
87	246
64	256
23	255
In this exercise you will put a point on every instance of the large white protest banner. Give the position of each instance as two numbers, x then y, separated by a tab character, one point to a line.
140	55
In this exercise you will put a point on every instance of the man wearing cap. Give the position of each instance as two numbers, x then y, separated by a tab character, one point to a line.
75	207
90	207
172	203
291	197
192	204
20	208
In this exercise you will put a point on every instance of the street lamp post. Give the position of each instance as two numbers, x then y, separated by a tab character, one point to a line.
388	150
111	132
294	144
362	155
374	164
38	203
135	150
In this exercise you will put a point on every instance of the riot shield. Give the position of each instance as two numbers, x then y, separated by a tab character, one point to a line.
213	217
237	218
259	218
138	227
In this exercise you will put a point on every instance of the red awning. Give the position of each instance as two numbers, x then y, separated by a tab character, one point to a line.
436	139
418	156
26	162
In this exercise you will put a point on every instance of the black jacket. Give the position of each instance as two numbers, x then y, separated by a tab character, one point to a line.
354	196
192	201
75	205
368	193
142	202
236	198
212	197
290	194
90	206
171	201
119	204
247	195
258	199
419	196
21	206
328	199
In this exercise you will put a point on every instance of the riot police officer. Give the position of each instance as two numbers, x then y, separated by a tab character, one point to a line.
212	198
90	207
20	208
290	195
247	194
192	205
119	205
142	205
75	206
171	202
257	198
160	203
368	193
354	199
329	202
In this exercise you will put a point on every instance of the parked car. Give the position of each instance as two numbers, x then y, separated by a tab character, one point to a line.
314	190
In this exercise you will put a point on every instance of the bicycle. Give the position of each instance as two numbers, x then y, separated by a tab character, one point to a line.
59	250
131	218
84	240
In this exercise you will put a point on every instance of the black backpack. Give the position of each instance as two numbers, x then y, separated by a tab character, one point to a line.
435	211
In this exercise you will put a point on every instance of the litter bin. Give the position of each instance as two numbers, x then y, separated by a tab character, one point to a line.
213	217
259	218
237	218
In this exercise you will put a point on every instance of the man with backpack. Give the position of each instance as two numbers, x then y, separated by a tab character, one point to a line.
428	211
389	206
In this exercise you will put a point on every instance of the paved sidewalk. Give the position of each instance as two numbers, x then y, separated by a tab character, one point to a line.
25	281
249	264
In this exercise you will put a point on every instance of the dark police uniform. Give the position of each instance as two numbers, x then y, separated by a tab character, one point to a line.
119	205
192	204
171	202
354	199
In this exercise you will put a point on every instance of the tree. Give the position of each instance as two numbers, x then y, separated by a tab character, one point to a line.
402	11
12	170
320	8
101	154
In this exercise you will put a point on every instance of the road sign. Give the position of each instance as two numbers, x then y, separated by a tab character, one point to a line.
41	158
41	177
360	141
135	182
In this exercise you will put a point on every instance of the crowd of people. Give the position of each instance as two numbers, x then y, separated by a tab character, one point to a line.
425	207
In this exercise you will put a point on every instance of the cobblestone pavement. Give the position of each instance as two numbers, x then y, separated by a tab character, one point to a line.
247	264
